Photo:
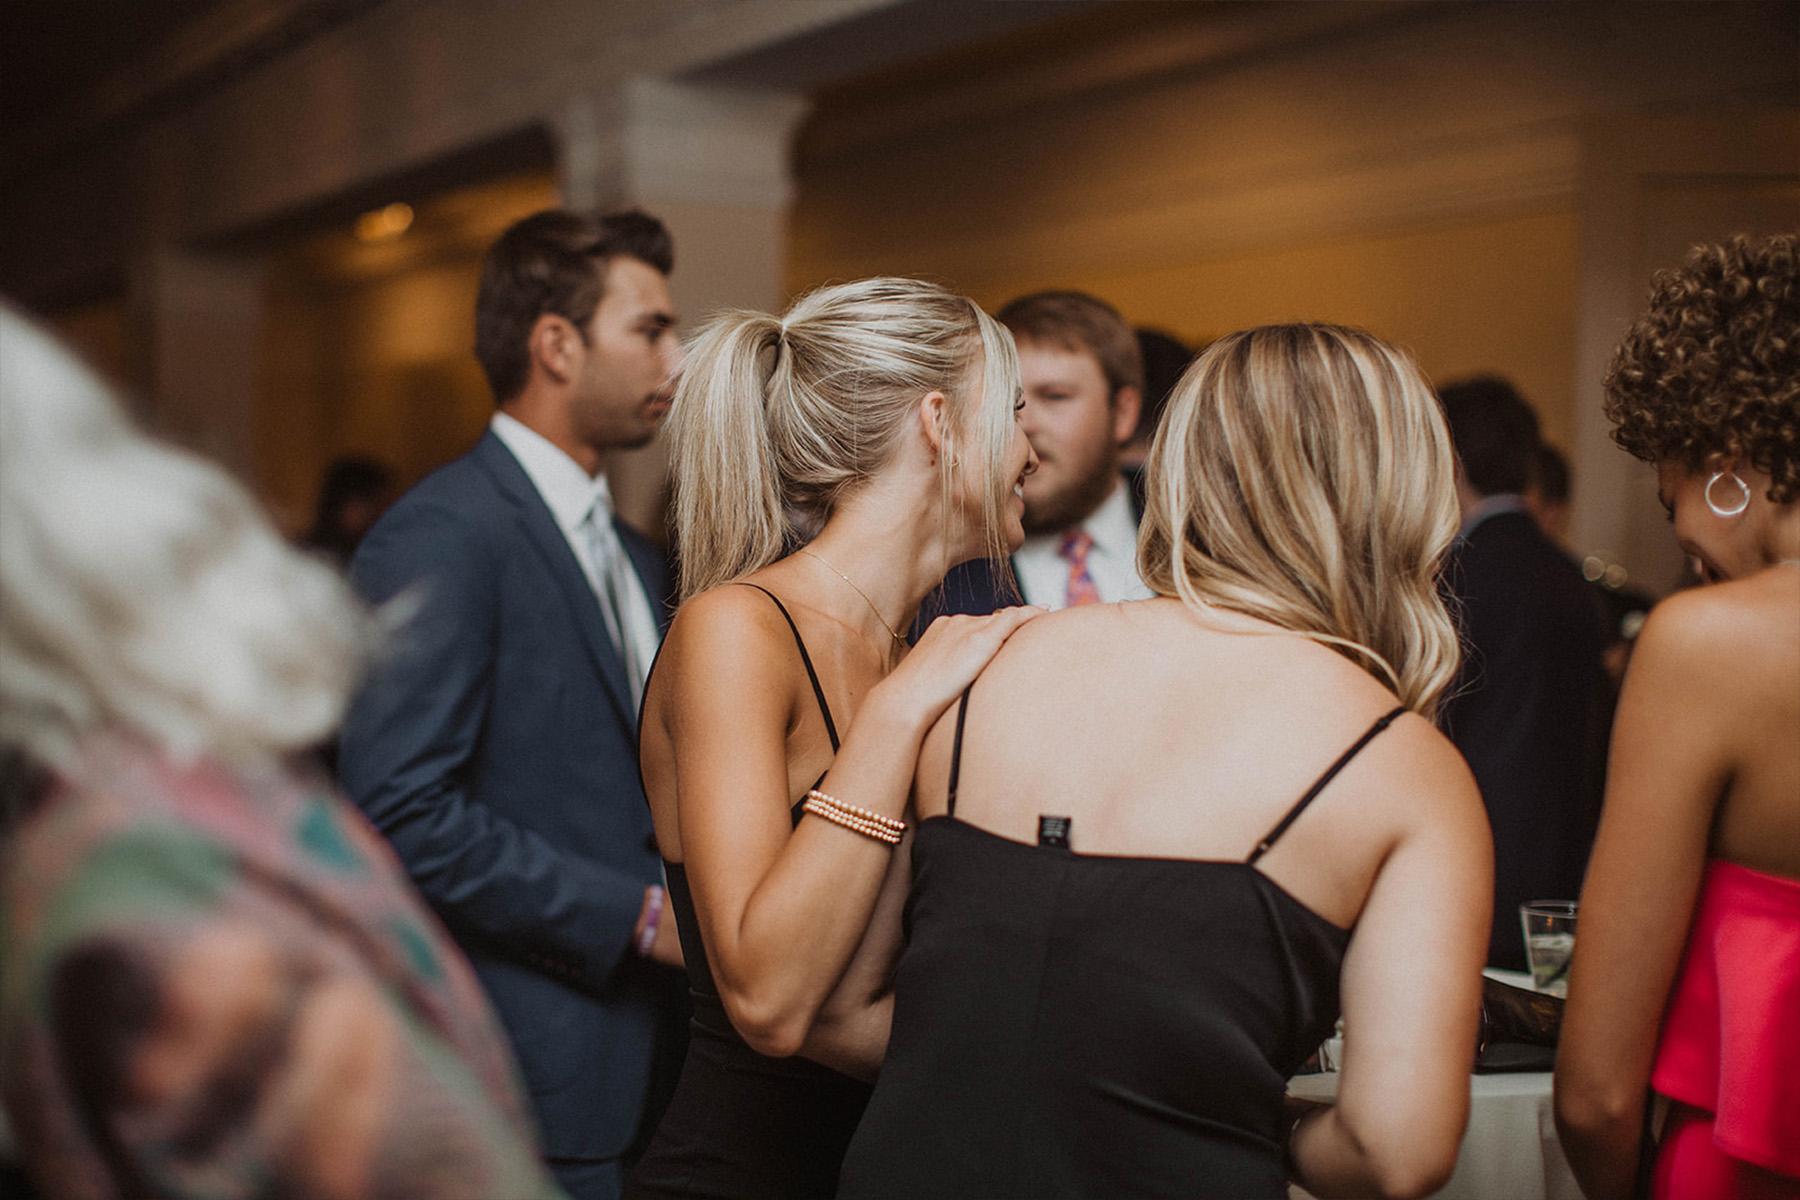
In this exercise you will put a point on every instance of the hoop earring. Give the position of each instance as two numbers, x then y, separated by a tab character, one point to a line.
1719	509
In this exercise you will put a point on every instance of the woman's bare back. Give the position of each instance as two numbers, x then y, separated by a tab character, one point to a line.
1162	733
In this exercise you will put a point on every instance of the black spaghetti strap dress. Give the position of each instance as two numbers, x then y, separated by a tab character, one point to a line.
743	1125
1089	1025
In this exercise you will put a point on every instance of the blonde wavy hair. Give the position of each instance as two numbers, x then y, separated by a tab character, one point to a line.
776	418
1304	476
142	589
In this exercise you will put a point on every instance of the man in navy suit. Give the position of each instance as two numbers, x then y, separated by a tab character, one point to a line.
1083	376
1530	708
496	747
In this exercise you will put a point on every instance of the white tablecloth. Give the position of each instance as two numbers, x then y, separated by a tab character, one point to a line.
1510	1151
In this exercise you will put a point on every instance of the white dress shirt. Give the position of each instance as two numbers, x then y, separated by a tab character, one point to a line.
1112	563
571	494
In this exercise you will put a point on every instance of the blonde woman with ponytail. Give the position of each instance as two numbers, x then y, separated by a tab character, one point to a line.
784	715
1160	840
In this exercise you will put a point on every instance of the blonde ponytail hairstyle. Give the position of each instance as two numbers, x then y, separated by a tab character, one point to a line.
1304	476
779	417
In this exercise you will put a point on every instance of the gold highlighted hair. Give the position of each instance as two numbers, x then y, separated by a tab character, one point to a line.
1303	475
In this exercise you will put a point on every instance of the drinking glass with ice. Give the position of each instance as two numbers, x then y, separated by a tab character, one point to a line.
1549	942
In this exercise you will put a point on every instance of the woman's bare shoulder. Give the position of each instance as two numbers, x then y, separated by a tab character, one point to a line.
1704	633
730	632
1415	784
1423	753
1039	642
727	610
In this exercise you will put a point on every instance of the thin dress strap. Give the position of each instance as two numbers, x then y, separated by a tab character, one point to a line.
962	713
806	659
1293	814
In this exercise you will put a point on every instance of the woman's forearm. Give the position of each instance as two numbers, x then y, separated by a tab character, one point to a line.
851	1040
782	910
799	931
1601	1131
1329	1159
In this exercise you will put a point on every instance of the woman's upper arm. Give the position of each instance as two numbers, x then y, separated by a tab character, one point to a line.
1670	762
1412	975
730	705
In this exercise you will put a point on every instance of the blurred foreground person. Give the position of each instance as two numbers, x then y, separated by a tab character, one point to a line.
1160	840
1699	843
785	713
216	981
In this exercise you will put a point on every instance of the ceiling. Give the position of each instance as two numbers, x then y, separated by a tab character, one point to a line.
53	51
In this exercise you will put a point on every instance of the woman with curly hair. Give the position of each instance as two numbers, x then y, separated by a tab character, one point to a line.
1686	979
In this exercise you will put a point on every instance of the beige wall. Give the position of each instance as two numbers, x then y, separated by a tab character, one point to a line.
1424	170
368	349
1490	296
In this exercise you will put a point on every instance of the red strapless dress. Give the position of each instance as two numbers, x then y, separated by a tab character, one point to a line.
1729	1056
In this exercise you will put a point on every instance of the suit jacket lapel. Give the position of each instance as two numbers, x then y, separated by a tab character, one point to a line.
541	528
652	571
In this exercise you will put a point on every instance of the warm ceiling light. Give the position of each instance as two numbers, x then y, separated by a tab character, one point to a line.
384	224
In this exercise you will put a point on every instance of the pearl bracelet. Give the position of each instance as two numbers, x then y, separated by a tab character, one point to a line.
861	820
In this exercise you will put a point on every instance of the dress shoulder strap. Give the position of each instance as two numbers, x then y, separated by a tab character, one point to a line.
962	713
806	660
1312	793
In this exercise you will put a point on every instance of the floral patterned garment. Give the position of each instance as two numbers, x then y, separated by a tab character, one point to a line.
218	984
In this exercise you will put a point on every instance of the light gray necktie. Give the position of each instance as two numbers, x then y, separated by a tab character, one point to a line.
620	602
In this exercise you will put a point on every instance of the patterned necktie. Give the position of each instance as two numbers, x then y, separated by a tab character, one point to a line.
1074	548
620	599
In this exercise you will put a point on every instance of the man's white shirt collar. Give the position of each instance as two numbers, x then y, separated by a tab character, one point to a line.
568	491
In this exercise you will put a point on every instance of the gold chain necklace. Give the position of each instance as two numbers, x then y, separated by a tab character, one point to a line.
858	591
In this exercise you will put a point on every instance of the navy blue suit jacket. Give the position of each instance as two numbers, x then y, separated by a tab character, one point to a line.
1530	712
496	748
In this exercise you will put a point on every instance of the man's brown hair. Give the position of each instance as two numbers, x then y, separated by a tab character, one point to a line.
553	262
1079	322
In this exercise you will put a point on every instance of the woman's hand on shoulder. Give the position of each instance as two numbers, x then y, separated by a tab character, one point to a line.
952	652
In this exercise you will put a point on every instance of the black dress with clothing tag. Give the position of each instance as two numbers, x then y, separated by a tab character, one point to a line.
744	1125
1074	1024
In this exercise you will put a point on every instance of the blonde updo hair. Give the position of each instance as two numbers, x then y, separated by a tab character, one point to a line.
1304	476
779	417
143	591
